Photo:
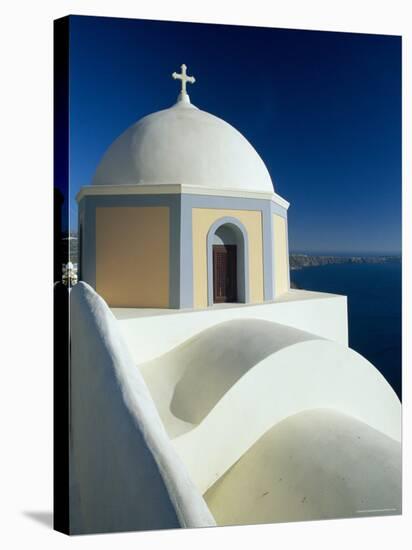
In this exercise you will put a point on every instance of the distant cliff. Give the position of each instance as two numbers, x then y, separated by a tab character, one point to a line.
298	261
69	246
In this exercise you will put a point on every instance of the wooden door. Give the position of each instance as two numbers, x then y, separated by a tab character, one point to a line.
224	273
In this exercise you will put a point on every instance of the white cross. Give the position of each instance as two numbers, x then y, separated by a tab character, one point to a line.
184	78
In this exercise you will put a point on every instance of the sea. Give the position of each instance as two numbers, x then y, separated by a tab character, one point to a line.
374	294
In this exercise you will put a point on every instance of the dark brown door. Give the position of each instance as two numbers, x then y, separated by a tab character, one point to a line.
224	273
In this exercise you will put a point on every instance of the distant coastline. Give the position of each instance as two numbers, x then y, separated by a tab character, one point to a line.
69	245
299	261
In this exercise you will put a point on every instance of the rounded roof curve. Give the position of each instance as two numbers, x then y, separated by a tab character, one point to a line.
183	145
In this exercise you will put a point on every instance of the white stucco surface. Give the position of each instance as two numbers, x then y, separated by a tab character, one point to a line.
317	464
183	145
221	390
125	474
229	401
150	333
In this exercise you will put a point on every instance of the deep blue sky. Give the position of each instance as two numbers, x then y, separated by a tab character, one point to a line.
322	109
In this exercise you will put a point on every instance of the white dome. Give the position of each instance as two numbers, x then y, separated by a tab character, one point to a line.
183	145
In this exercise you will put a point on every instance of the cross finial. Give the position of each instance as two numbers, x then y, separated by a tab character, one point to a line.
184	78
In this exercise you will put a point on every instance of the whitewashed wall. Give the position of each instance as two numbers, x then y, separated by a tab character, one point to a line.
125	474
151	332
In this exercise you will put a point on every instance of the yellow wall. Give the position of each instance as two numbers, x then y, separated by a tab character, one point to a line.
132	256
280	255
202	219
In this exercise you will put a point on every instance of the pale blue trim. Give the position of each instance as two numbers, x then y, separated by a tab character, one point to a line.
80	237
268	253
287	250
233	203
265	206
243	259
88	259
91	202
174	251
181	238
186	253
276	209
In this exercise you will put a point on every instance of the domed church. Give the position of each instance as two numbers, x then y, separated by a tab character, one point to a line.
203	410
182	213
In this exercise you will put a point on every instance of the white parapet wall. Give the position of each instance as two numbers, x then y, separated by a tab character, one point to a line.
167	406
212	372
124	471
150	333
222	389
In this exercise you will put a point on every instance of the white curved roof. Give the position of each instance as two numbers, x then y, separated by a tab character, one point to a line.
183	145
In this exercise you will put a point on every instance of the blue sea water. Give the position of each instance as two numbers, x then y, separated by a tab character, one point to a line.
374	294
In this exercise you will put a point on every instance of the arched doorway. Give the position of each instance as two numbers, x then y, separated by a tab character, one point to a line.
227	262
